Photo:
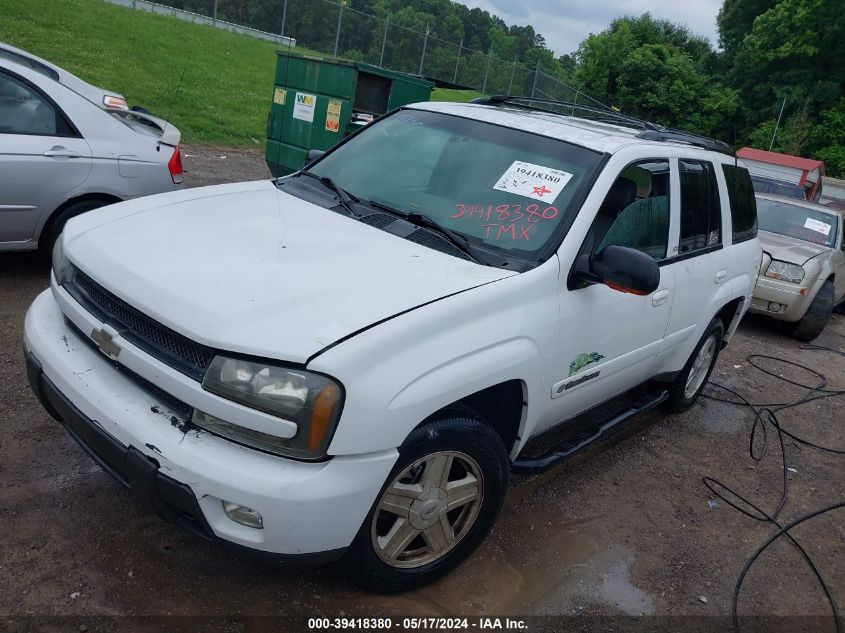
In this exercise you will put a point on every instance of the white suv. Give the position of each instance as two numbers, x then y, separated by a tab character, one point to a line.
347	362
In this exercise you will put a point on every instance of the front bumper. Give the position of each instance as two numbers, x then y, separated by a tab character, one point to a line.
185	474
782	299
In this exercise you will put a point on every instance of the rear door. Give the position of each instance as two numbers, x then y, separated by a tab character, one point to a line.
42	156
697	258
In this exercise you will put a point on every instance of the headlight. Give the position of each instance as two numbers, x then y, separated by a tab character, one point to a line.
59	262
310	400
785	271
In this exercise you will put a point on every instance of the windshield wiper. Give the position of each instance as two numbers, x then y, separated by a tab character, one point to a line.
343	196
420	219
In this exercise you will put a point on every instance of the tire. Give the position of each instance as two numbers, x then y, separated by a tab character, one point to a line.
57	224
471	450
817	316
685	389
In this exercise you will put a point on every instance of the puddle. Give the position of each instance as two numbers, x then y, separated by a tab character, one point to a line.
537	560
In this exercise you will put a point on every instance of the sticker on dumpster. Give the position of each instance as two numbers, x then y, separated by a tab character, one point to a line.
333	115
533	181
279	96
817	226
303	107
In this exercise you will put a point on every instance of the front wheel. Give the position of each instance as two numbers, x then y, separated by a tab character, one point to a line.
685	389
438	503
817	317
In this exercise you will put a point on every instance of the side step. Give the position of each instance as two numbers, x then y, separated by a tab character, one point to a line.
537	465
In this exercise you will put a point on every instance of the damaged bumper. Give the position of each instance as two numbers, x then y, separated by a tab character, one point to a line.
309	510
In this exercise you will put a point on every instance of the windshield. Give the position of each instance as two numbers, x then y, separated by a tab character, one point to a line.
766	185
792	220
505	190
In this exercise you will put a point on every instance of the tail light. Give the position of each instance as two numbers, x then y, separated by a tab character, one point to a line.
175	166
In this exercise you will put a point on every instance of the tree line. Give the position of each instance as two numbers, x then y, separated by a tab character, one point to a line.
773	55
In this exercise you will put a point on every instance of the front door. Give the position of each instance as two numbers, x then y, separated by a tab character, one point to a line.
609	340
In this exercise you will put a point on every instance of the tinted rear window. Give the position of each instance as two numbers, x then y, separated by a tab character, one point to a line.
743	203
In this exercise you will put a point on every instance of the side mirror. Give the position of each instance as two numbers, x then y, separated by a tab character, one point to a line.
313	154
621	268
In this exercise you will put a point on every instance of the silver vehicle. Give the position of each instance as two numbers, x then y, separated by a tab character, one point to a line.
67	147
802	277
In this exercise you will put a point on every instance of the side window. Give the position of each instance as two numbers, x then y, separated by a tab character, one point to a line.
701	214
23	110
743	203
635	212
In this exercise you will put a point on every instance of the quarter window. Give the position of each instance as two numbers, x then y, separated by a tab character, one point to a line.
701	225
23	110
743	203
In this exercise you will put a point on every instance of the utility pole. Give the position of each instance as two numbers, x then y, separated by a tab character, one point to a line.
487	70
337	34
777	125
284	15
384	42
214	14
425	43
458	61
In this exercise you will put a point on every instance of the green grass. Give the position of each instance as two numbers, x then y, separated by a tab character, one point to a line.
448	94
228	81
228	78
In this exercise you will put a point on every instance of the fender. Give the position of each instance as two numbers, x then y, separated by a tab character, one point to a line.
400	372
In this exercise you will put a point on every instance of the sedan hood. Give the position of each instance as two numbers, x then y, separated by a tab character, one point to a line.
789	249
250	269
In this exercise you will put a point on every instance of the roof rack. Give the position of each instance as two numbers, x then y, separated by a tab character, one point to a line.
650	131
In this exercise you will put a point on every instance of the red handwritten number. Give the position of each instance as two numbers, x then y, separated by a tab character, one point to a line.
502	211
461	210
549	213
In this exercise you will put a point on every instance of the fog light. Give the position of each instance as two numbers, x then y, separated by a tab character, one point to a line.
774	307
243	515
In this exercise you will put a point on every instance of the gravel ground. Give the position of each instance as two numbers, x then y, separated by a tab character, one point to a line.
627	530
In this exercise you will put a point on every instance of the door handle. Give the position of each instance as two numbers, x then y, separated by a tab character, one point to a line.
659	298
61	152
720	276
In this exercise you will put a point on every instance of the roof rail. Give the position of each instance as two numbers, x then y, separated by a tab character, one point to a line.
650	131
601	114
704	142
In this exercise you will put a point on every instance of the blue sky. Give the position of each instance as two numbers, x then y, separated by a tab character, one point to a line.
564	23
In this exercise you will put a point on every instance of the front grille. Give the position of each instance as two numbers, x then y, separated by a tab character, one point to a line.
172	402
173	349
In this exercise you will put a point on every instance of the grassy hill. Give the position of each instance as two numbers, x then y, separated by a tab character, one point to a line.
228	78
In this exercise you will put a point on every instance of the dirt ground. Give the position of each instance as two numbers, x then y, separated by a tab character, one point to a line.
627	530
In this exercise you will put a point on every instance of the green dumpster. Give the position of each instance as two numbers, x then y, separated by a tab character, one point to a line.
317	101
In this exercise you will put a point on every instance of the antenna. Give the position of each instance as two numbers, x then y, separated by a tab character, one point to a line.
170	108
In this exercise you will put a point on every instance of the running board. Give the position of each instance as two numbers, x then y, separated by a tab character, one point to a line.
537	465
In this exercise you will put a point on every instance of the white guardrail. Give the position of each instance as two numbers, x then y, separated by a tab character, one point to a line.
154	7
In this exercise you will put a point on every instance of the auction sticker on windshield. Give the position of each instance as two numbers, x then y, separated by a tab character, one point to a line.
533	181
817	226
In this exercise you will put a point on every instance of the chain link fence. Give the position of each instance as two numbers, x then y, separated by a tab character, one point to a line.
336	28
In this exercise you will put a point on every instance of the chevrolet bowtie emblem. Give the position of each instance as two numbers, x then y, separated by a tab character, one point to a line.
104	338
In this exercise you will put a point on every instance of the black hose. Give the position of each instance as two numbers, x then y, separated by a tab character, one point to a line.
765	415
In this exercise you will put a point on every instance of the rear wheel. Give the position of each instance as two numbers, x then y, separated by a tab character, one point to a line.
689	384
817	316
48	239
439	502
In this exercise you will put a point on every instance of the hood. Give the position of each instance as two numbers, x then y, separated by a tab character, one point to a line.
250	269
789	249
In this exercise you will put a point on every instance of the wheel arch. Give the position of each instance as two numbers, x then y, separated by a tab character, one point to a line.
503	406
47	226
